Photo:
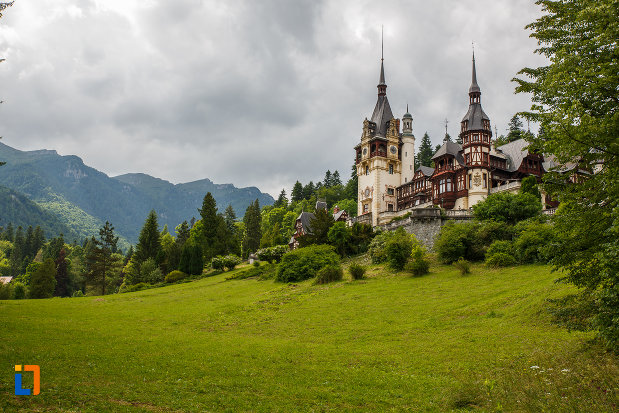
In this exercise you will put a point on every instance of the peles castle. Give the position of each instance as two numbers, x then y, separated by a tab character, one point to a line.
463	174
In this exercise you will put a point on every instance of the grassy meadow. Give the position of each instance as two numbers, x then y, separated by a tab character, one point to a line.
442	342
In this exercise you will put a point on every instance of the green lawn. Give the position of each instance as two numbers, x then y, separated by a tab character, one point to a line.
390	342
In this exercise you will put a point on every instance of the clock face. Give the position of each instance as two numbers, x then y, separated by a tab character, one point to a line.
393	150
365	151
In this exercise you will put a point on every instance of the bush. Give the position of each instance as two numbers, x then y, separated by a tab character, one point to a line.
6	291
231	261
377	247
418	267
256	264
500	259
272	254
457	240
131	288
356	271
217	263
150	272
19	291
399	249
79	293
329	274
508	207
463	265
304	263
504	247
175	276
533	238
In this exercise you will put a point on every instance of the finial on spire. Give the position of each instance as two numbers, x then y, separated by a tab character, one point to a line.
382	42
382	86
474	86
407	107
446	122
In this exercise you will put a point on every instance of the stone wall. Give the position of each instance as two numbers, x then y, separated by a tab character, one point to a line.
425	224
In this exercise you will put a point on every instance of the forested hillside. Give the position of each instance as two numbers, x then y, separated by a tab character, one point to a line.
86	197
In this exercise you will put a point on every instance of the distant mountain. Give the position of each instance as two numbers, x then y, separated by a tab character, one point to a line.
85	197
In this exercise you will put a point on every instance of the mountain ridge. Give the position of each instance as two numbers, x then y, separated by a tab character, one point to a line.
46	177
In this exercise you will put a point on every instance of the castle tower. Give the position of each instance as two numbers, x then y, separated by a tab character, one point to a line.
476	138
408	148
379	157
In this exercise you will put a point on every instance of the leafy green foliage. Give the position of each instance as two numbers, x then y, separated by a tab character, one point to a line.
19	291
459	240
419	263
330	273
356	271
463	266
575	101
339	236
43	280
191	261
272	254
175	276
508	207
304	263
533	241
398	249
528	185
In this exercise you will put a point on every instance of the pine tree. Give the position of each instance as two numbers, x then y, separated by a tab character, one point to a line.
39	239
230	218
327	182
297	192
149	241
335	179
309	190
319	226
63	288
9	234
515	129
253	233
101	261
425	152
182	233
210	223
282	201
19	251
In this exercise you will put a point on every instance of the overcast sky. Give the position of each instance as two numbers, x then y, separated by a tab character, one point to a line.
254	93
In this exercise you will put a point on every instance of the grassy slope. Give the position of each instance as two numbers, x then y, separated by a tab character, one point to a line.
389	342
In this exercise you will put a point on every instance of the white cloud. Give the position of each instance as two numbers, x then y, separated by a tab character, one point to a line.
252	93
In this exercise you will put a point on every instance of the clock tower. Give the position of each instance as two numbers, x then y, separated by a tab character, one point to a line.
379	157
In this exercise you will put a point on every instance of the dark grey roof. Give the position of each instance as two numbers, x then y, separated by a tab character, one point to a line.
448	148
515	152
475	115
382	114
426	170
474	86
320	204
382	111
305	219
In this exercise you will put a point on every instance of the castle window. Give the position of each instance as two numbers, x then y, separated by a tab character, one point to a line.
390	207
470	180
390	169
485	181
367	170
390	191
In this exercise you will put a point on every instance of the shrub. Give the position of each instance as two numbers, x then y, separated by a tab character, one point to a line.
131	288
19	291
457	240
500	259
231	261
256	264
532	240
463	265
329	274
43	280
418	267
304	263
79	293
356	271
508	207
6	291
377	247
191	261
505	247
272	254
175	276
399	249
150	272
217	263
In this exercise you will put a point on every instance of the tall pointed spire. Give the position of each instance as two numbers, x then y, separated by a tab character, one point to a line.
382	86
474	86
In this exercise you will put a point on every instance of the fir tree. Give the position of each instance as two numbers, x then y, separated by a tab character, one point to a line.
253	233
425	152
327	182
149	241
211	243
309	190
182	233
282	201
63	288
102	263
297	192
515	129
9	234
335	179
352	186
